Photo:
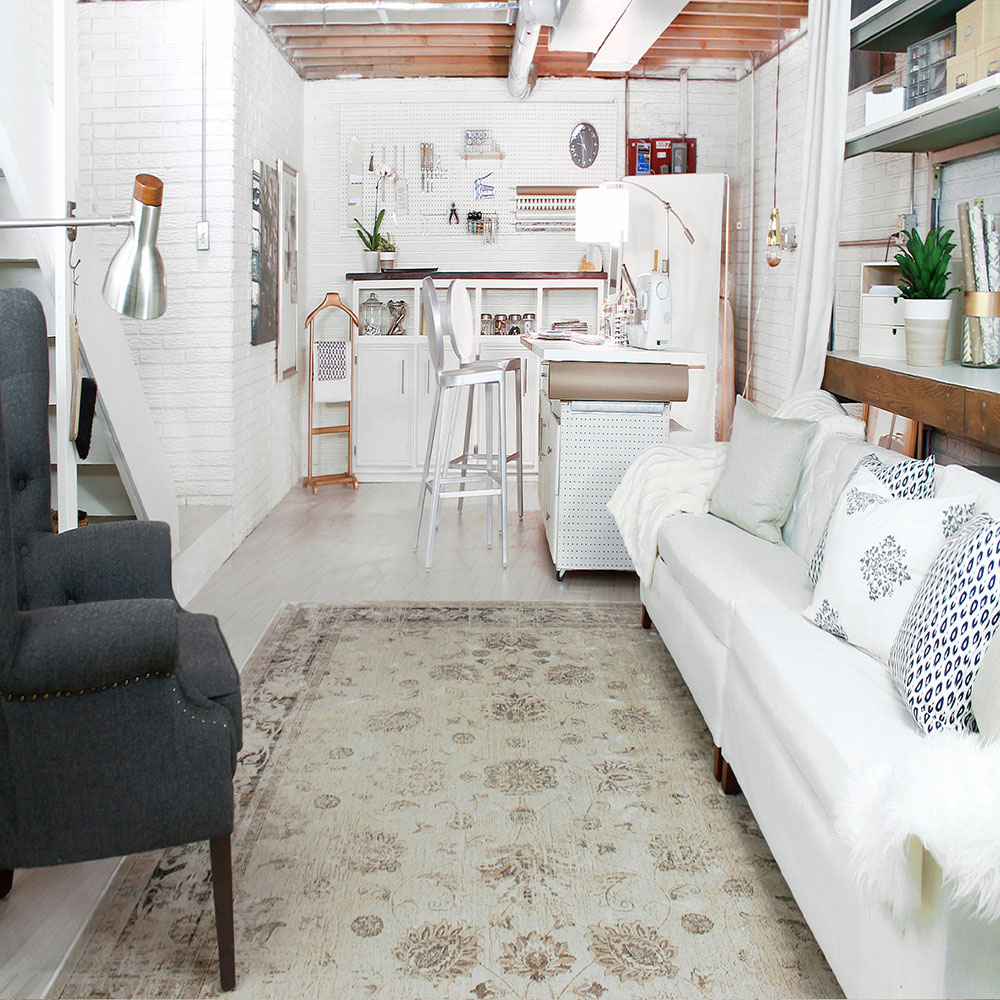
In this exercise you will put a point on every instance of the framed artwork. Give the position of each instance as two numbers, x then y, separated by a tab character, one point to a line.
288	270
264	255
891	431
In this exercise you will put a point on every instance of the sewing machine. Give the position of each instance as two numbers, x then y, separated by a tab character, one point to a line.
654	312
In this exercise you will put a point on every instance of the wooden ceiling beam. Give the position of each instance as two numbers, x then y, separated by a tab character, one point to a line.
391	30
404	45
714	31
731	9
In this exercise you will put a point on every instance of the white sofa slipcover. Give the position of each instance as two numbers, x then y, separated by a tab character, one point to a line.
797	714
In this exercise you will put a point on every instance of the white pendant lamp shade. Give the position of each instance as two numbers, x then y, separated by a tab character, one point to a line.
135	285
601	215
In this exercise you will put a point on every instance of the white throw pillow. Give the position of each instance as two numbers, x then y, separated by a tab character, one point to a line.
908	479
952	620
878	550
830	417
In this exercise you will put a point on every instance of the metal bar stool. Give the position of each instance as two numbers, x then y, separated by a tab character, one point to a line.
488	479
465	340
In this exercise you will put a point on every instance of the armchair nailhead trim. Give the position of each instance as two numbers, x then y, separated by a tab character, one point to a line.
225	725
8	696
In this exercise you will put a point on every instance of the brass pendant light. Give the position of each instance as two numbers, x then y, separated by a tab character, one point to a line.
775	242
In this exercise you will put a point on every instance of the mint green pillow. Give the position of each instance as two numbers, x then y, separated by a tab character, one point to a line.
763	465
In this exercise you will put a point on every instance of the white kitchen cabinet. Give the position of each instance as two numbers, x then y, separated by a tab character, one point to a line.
384	405
393	396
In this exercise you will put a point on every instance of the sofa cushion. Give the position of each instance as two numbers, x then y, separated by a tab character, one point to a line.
819	486
833	707
952	619
763	465
878	550
719	565
907	480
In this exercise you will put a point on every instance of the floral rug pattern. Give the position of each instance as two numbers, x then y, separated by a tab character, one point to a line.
471	801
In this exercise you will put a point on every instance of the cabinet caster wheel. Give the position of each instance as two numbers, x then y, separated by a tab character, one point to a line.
560	575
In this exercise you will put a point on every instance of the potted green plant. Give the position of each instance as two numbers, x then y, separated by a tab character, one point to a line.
386	252
923	269
371	240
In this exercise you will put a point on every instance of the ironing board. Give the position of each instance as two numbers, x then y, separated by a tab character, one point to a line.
330	367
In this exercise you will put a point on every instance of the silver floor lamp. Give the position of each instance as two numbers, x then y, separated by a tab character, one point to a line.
134	284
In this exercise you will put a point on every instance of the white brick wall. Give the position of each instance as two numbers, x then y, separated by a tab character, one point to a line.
230	432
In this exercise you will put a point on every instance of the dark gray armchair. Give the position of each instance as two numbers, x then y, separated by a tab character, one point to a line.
120	715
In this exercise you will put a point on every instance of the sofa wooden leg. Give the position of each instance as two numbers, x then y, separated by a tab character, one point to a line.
730	786
717	763
646	620
222	889
6	881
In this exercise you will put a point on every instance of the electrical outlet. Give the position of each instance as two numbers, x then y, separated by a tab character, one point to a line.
907	221
203	235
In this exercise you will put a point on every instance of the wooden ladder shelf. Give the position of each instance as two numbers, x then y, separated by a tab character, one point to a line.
333	300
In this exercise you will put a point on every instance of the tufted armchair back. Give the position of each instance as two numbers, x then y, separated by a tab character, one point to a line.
24	395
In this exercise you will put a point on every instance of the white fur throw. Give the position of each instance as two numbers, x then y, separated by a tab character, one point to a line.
664	480
943	790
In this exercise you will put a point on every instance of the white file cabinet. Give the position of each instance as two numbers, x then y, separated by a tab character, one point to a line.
584	450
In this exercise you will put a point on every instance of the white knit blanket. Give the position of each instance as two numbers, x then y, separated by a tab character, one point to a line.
943	790
661	482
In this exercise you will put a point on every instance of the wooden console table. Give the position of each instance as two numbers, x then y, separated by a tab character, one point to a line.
964	402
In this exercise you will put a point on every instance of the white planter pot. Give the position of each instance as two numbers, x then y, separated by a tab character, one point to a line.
387	260
926	330
371	260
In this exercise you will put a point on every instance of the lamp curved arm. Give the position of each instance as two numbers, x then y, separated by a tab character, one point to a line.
625	182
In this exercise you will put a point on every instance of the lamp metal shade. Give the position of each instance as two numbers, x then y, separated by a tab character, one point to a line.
601	215
135	285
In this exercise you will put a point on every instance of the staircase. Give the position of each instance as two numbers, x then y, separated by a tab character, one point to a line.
126	473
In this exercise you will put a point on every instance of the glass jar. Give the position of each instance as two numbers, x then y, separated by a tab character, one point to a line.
514	325
500	325
528	324
486	325
374	317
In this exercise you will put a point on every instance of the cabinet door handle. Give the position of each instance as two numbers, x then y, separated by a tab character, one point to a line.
548	451
548	517
402	376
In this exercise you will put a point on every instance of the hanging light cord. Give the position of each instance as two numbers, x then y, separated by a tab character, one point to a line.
777	81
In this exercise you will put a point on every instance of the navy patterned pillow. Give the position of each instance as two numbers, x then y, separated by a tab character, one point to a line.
954	614
909	480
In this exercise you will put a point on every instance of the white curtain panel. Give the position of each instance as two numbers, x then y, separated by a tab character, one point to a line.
823	170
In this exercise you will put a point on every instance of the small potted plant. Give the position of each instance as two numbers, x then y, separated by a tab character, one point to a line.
923	268
371	241
386	252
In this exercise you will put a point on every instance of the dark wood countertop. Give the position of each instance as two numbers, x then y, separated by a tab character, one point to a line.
415	274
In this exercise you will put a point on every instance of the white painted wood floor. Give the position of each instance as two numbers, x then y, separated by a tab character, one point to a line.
340	546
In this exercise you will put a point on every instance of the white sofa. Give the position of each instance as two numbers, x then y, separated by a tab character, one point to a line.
797	713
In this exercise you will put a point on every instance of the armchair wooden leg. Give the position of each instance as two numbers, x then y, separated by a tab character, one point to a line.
646	620
6	881
717	763
222	889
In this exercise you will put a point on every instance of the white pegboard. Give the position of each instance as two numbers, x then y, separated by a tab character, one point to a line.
534	138
595	449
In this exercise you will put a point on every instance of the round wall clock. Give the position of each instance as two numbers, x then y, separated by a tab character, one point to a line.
584	144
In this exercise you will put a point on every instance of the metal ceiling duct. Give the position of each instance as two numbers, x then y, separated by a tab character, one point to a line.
332	12
531	15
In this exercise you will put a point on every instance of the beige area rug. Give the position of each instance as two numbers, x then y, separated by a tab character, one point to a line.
466	802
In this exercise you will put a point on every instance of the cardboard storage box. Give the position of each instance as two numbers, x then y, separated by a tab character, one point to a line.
961	70
987	60
978	24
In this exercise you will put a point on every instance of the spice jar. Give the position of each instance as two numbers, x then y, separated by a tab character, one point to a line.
486	325
500	325
528	324
514	325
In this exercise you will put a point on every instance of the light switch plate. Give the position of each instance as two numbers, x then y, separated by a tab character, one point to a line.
203	235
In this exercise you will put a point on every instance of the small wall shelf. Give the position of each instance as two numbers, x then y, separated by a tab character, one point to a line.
953	119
